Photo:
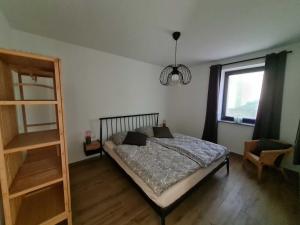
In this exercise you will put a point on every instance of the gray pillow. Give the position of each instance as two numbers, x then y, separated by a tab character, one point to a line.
118	138
148	131
162	132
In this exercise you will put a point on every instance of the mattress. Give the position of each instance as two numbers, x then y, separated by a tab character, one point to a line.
174	192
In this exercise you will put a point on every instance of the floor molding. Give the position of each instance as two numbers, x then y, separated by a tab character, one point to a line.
84	160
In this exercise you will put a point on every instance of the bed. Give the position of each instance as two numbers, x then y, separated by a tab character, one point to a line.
173	176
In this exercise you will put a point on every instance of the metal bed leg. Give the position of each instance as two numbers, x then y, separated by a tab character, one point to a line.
101	152
227	165
162	213
162	220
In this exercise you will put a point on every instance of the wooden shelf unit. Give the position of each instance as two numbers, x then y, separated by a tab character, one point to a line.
32	140
29	102
45	206
40	169
34	172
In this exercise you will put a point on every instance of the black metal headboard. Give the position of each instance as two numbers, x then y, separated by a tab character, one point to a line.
115	124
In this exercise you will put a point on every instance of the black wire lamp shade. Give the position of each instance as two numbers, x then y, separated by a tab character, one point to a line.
175	73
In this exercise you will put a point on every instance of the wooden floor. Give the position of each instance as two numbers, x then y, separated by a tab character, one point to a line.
101	195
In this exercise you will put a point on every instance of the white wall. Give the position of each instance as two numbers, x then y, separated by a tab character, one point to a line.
187	104
187	108
95	84
5	32
99	84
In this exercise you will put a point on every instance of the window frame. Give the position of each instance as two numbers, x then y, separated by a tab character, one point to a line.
227	74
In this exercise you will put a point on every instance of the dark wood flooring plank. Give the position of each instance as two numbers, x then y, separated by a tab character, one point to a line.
101	195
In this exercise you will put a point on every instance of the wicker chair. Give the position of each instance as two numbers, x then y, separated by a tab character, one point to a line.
266	158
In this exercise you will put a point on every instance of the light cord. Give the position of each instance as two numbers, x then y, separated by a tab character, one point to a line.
175	53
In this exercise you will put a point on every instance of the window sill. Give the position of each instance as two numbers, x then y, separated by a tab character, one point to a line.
236	123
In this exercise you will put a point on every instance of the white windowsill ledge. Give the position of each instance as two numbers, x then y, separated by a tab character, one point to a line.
236	123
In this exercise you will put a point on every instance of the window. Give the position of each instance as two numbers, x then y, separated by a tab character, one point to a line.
241	94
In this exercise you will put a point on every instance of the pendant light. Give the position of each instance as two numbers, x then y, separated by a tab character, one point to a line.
176	73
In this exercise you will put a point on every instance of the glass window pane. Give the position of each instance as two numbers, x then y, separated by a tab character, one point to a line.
243	94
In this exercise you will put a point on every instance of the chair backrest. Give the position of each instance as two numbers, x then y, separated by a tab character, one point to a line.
269	157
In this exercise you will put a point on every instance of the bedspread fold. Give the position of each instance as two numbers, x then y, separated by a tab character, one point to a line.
200	151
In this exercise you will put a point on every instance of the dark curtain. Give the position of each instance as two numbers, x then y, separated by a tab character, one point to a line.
269	109
297	147
210	132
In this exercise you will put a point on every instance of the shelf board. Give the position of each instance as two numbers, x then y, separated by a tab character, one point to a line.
29	102
40	169
31	71
43	207
32	140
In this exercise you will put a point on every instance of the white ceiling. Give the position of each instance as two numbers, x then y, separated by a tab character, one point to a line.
141	29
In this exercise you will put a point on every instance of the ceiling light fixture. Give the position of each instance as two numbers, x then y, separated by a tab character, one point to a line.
176	73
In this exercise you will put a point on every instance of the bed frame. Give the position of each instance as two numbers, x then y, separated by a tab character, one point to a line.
115	124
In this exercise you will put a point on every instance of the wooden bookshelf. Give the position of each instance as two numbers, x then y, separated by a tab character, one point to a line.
40	169
45	206
32	140
29	102
34	172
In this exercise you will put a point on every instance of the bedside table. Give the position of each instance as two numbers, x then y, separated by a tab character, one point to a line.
93	148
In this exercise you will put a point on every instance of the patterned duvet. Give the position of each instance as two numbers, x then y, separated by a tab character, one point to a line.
200	151
162	163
